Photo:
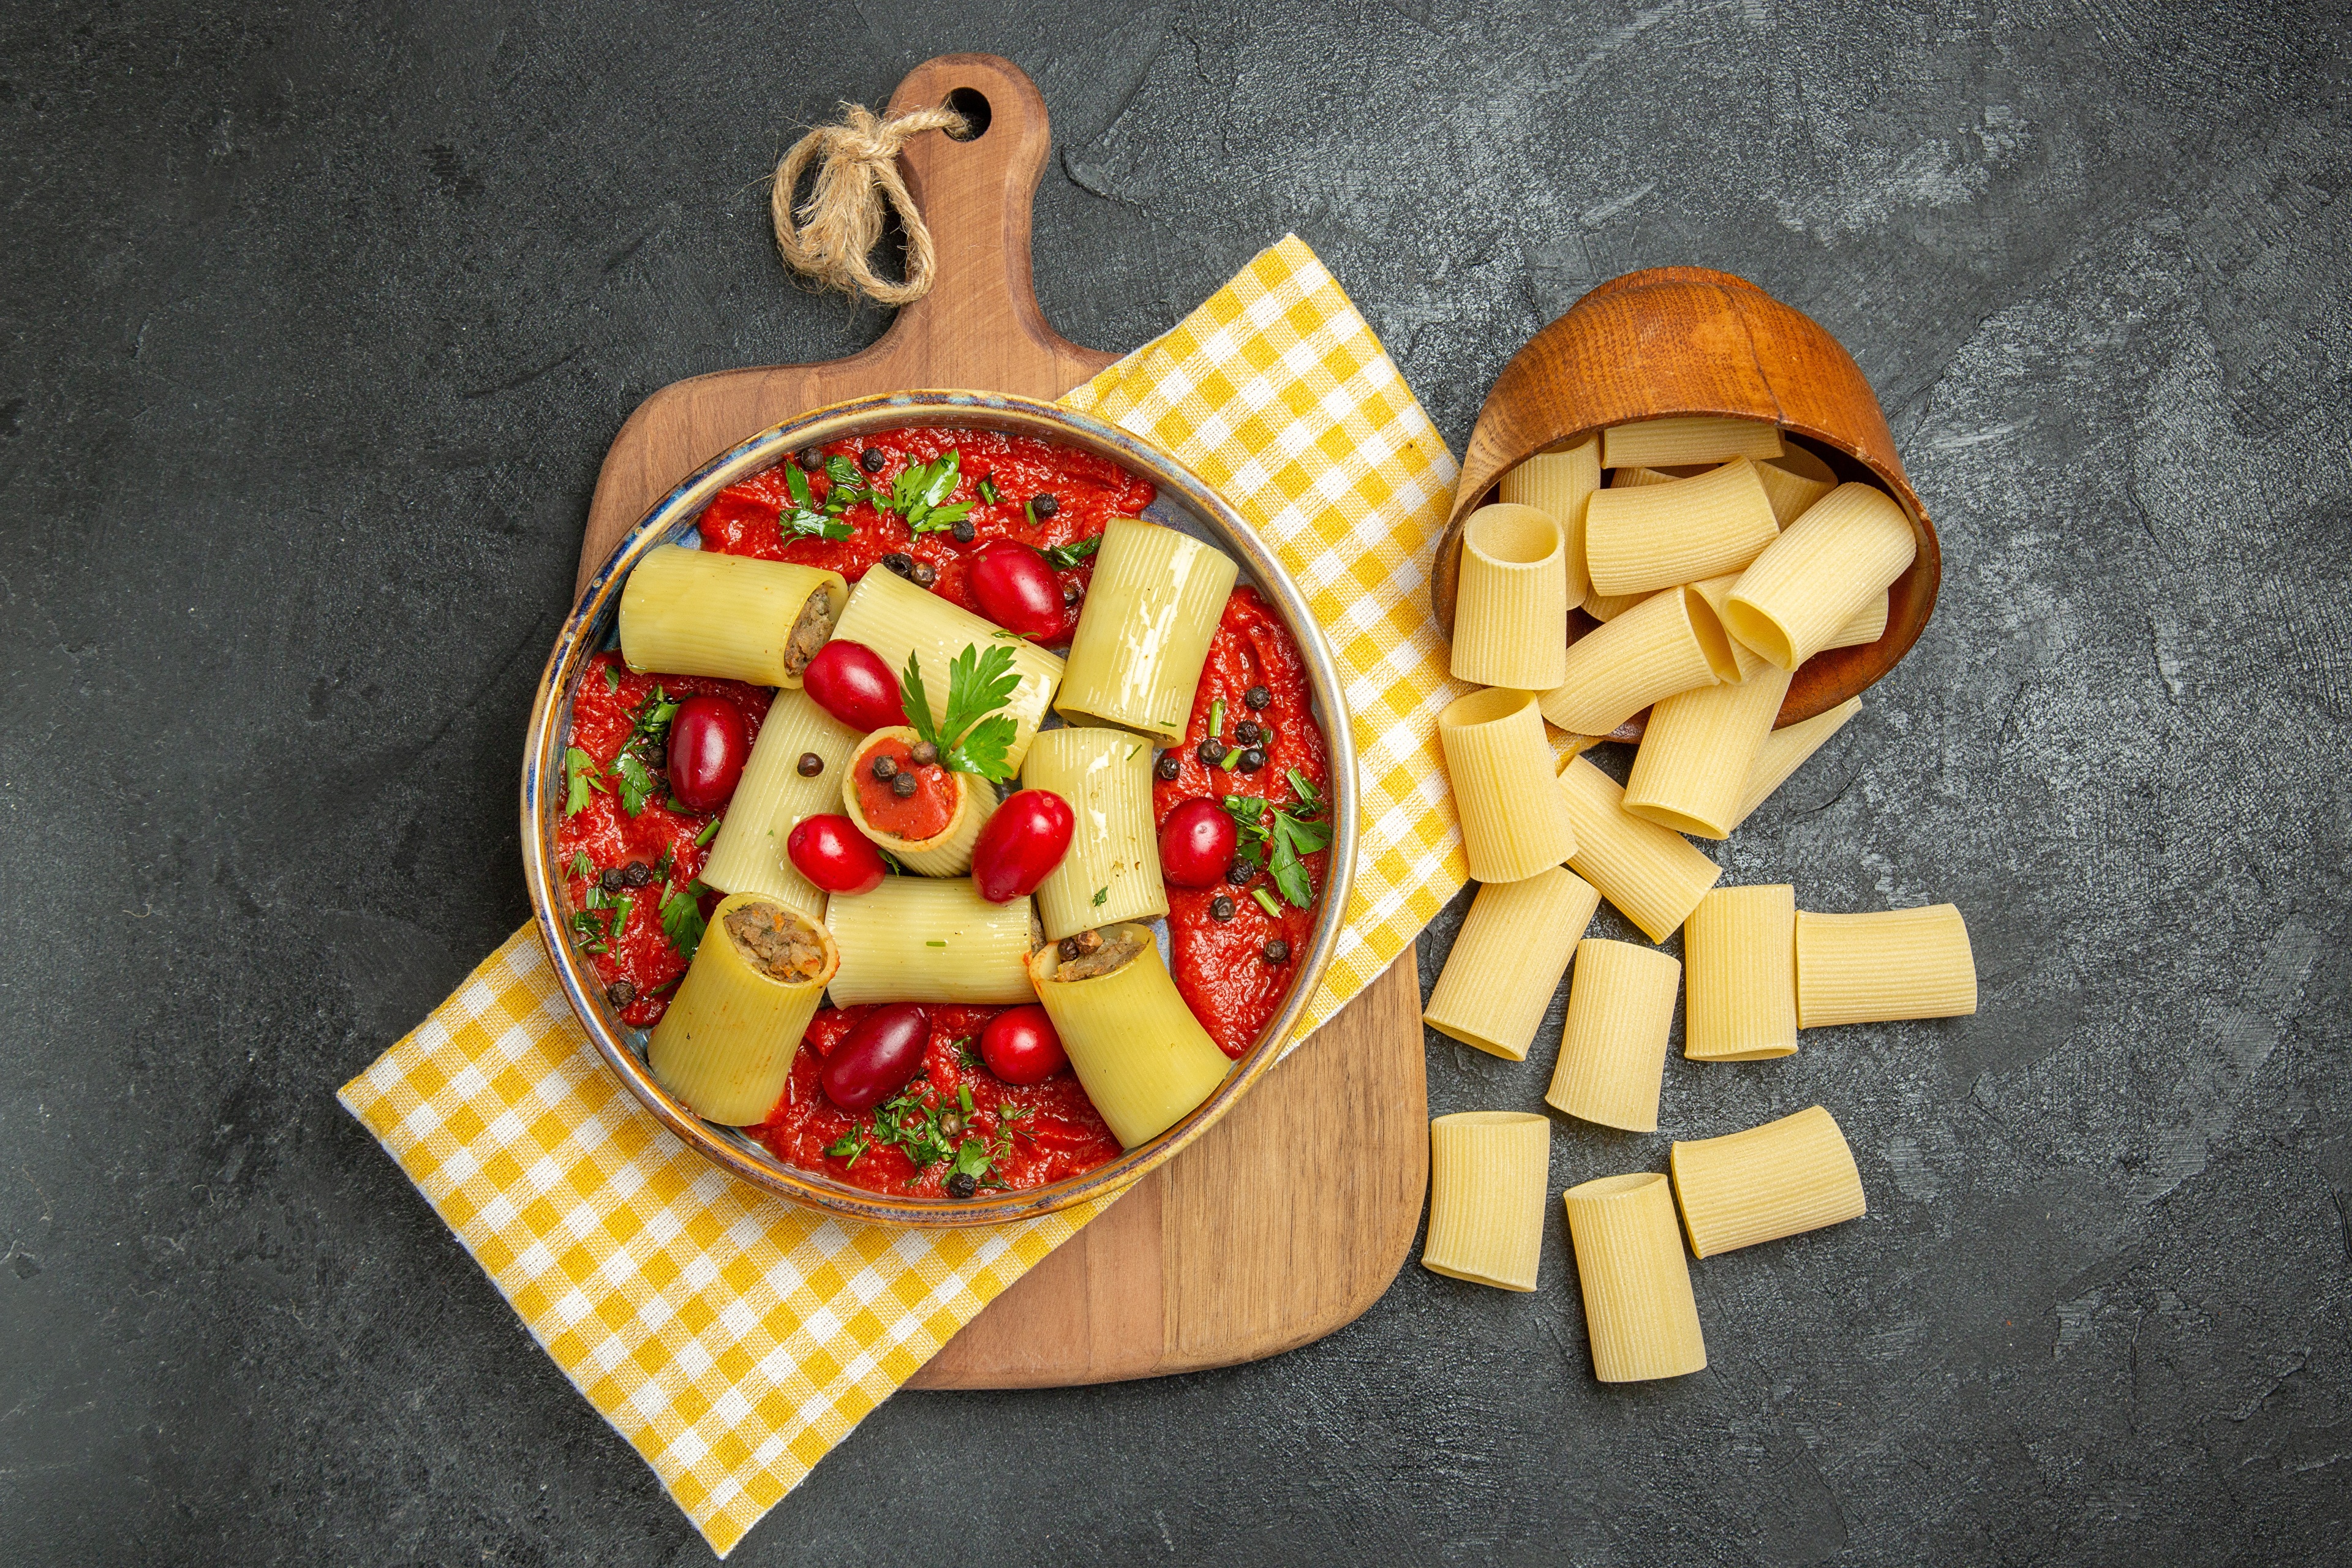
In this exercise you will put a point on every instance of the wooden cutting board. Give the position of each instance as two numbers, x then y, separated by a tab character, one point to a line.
1294	1212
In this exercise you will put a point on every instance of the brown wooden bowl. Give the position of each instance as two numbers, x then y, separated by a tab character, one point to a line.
1689	339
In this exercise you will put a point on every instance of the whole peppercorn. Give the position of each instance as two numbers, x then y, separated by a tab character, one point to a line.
1211	753
903	786
963	531
962	1185
1239	875
924	573
1253	759
812	459
1248	734
1258	697
1071	593
1047	505
886	767
610	881
899	562
620	993
1220	908
811	765
636	874
1166	769
923	754
870	459
1277	951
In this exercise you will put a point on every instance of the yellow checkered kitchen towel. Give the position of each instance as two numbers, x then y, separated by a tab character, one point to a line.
733	1337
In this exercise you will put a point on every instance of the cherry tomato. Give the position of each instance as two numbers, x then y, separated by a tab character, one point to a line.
1017	590
707	745
1196	844
1020	1047
876	1057
1021	845
849	681
831	853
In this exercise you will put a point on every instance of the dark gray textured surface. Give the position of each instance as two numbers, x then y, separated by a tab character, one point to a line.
315	326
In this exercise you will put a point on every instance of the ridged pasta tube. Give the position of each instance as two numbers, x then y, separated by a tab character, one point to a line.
1780	1179
1607	607
1510	615
696	612
1809	583
725	1046
1648	537
1489	1172
929	938
1866	625
948	852
1739	962
1154	604
1495	757
1507	959
1791	493
1687	438
1785	750
1692	763
1142	1057
1612	1050
1669	642
774	795
1876	968
1638	1308
897	620
1654	877
1114	854
1561	483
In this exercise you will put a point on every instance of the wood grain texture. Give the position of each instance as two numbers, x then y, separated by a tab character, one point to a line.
1295	1211
1688	340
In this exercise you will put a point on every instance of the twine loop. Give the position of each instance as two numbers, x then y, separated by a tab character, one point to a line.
829	240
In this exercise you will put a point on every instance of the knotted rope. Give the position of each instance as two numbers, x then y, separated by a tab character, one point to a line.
841	222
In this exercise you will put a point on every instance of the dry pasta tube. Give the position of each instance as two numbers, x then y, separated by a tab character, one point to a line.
1143	1058
748	856
929	938
1875	968
1649	537
726	1045
1633	479
1715	591
1638	1308
1495	756
1607	607
698	612
1612	1051
1561	483
1785	1177
948	852
899	621
1805	463
1111	871
1809	581
1740	963
1514	945
1785	752
1488	1172
1693	764
1669	642
1866	625
1154	604
1510	616
1687	438
1791	493
1655	878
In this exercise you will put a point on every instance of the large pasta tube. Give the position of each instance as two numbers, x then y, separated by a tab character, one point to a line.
929	938
773	797
1154	604
1510	618
698	612
1612	1051
1633	478
1654	877
1111	872
1866	625
1739	956
1561	483
1787	1176
1875	968
1638	1307
1607	607
1508	958
1142	1057
1495	756
1790	491
1687	438
1645	538
1692	767
725	1046
1809	581
1488	1172
1669	642
1785	750
1717	591
899	620
970	802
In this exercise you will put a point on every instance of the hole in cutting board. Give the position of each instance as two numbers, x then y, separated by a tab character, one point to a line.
970	102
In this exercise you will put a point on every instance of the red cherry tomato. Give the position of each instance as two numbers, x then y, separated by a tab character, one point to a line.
707	745
1196	844
1020	1047
1017	590
849	681
831	853
876	1057
1021	845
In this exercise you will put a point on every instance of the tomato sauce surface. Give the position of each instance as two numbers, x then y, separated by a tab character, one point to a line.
923	814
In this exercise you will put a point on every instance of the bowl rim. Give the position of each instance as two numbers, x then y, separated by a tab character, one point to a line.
1005	413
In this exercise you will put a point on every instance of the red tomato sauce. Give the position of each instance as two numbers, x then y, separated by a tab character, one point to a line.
1220	965
639	952
923	814
745	519
1056	1133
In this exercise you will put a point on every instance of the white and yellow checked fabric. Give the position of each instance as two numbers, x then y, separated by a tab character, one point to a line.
732	1338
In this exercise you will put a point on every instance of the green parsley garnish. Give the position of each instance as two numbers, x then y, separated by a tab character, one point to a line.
850	1144
919	494
1062	557
1100	894
987	489
973	737
803	519
1217	720
638	784
581	774
681	917
1266	901
709	831
1276	840
611	678
581	866
935	943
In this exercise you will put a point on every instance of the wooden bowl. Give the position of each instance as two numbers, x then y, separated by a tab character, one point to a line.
1688	340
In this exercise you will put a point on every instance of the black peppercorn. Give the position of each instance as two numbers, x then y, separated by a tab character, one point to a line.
610	880
1258	697
812	459
811	765
620	993
963	531
1211	753
962	1185
924	573
1277	951
903	786
886	767
900	562
1071	593
922	754
1045	505
870	459
1169	766
1253	759
1239	875
1248	734
1078	946
1220	908
636	874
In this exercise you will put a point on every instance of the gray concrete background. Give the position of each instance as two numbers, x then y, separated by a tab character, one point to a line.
315	323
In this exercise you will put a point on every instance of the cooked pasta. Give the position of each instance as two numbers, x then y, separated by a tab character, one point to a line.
1496	757
1142	1057
1612	1050
1692	763
1655	878
1510	617
696	612
1649	537
725	1046
899	620
929	938
1875	968
1790	492
948	852
1785	750
1687	438
1488	1173
1638	1308
1670	642
1780	1179
748	856
1809	581
1739	961
1514	945
1153	606
1561	483
1607	607
1111	872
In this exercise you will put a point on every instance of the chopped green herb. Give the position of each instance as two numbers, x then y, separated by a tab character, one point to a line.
581	866
1233	755
1217	719
1062	557
967	1050
935	943
1266	901
681	917
709	831
1101	893
849	1145
843	474
973	738
919	494
963	1097
987	489
637	781
1304	786
1029	510
581	774
1292	839
611	678
620	922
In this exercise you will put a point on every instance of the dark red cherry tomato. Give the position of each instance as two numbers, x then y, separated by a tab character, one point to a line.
876	1057
707	745
1020	1047
831	853
849	681
1021	845
1196	844
1017	590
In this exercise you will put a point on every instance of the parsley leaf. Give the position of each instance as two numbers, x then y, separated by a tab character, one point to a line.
1100	894
919	494
1293	839
844	474
1062	557
971	1159
802	518
681	917
973	738
581	774
1250	832
637	781
581	866
611	678
850	1144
